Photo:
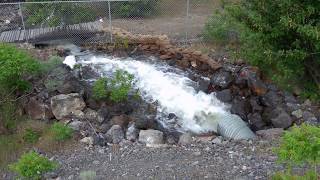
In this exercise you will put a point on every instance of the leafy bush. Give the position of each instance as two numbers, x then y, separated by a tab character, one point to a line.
31	136
100	89
299	146
287	176
56	14
144	8
61	132
281	37
31	166
115	89
15	66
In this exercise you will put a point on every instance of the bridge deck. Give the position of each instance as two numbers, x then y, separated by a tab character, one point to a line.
31	34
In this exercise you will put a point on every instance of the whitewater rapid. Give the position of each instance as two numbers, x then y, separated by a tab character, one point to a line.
172	91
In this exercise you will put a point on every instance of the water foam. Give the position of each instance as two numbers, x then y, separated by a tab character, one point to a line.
172	90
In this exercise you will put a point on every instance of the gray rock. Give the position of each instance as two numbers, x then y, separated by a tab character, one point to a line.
297	113
115	134
256	121
273	133
281	119
224	95
271	99
38	110
185	139
132	132
93	116
240	107
222	79
310	118
64	106
76	125
87	140
217	140
204	85
151	137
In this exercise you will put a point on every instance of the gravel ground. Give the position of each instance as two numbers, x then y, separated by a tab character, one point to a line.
227	160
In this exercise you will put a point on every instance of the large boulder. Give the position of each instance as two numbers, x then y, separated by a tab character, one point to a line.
224	95
280	118
240	107
151	137
115	134
38	110
66	105
122	120
256	121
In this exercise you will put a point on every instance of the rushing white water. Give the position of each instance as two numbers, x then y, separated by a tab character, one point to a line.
173	92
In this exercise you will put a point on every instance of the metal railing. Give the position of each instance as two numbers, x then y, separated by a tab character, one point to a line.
181	20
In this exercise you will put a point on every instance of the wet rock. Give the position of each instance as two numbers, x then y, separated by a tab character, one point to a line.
240	107
222	79
151	137
281	119
256	121
63	106
204	85
273	133
122	120
224	95
38	110
132	132
115	134
185	139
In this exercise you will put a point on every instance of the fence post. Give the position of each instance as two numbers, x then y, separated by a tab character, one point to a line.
187	20
110	22
22	20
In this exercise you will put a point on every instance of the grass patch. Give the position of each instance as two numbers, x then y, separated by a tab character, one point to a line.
61	132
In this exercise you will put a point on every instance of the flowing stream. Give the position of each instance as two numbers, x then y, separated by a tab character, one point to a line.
174	93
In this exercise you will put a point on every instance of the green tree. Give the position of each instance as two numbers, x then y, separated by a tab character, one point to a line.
282	37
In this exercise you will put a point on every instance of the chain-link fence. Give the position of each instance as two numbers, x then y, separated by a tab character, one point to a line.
181	20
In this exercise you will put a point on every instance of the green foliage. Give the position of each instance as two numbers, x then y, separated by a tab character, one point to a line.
8	114
100	91
31	166
310	175
55	14
299	146
143	8
15	66
31	136
88	175
115	89
61	132
121	43
281	37
221	29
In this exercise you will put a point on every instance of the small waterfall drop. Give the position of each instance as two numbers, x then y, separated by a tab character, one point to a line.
173	92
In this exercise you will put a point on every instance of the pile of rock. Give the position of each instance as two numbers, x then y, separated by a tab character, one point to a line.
258	102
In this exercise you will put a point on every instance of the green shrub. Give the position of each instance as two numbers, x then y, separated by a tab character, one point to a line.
31	166
100	89
281	37
88	175
143	8
299	146
115	89
288	176
15	66
31	136
61	132
8	114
